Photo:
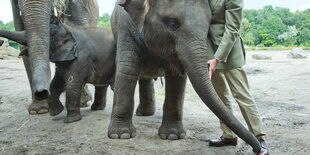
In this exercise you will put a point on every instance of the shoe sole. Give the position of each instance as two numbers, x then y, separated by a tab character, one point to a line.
226	144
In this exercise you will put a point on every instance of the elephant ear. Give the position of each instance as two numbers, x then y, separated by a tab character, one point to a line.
133	13
64	47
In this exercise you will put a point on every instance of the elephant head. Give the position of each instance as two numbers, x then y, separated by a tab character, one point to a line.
177	30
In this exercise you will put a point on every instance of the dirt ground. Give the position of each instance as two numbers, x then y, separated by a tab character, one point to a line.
280	86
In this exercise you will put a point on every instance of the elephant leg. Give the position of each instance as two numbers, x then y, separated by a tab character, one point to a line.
73	95
126	76
36	106
147	98
57	87
100	98
86	97
172	125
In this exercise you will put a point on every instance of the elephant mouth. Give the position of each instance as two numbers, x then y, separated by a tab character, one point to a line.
41	95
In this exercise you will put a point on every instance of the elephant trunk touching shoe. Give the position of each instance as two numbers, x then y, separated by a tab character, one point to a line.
169	36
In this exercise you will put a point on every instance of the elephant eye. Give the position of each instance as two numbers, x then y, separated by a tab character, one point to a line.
172	23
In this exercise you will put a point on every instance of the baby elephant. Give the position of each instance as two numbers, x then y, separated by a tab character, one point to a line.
81	56
84	55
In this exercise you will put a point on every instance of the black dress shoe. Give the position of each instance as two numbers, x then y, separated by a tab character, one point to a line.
263	150
223	142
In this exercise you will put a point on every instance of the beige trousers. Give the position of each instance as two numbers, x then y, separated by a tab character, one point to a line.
236	81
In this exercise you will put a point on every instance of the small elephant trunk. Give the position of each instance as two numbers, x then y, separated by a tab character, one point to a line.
17	36
194	59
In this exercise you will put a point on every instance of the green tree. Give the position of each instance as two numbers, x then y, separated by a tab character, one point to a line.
104	21
289	37
248	39
245	27
246	34
272	27
305	37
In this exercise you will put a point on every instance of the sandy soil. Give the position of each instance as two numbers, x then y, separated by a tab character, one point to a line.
280	86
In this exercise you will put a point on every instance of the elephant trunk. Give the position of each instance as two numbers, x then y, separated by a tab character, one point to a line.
194	58
17	36
36	16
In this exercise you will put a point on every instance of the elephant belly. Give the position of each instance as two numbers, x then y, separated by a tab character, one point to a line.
101	76
151	72
153	66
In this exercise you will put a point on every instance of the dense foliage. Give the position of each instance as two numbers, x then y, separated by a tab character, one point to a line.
276	26
104	21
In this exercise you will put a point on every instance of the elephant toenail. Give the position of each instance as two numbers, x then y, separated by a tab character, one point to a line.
32	112
133	134
125	136
182	136
163	136
172	137
114	136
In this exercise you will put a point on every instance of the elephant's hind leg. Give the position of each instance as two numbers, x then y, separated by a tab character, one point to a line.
147	98
100	98
86	97
172	125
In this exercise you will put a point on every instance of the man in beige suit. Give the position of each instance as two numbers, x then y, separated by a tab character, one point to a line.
226	58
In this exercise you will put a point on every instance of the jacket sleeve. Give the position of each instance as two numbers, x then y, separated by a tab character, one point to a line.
233	17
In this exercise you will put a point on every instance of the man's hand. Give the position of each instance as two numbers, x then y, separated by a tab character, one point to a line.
212	67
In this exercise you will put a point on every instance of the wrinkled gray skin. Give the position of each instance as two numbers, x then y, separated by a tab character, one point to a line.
34	16
95	50
175	33
81	55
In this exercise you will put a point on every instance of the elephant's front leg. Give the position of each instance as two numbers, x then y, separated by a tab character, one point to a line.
147	98
127	73
100	98
172	125
57	87
74	87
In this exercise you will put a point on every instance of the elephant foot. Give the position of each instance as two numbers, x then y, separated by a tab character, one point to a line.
38	107
146	109
121	130
55	107
171	131
84	102
73	118
98	106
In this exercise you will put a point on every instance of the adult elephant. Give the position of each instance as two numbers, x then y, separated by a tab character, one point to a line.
34	16
164	38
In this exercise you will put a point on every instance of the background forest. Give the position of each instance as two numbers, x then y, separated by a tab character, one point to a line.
267	27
